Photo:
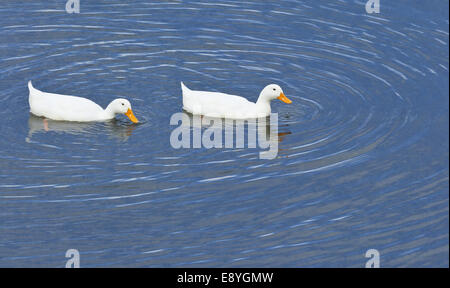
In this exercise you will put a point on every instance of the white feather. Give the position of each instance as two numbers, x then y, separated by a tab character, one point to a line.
221	105
72	108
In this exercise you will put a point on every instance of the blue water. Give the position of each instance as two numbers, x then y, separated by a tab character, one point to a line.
363	160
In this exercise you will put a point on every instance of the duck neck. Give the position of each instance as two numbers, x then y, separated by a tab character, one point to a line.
263	104
109	111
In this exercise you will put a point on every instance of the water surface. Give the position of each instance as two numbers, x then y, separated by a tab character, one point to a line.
363	149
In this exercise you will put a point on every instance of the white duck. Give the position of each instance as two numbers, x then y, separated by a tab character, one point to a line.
220	105
72	108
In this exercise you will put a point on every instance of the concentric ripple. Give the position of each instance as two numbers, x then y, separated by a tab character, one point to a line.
363	149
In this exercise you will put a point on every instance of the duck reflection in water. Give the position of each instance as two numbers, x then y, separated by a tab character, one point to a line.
209	132
114	128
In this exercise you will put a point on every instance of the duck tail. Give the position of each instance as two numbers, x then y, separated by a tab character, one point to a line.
31	95
184	88
33	91
185	94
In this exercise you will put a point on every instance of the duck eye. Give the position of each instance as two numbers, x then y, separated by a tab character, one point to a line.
274	89
123	104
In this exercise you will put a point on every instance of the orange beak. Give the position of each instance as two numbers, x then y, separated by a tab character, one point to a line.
130	115
283	98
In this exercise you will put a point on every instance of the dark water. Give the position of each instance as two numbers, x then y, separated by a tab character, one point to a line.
363	156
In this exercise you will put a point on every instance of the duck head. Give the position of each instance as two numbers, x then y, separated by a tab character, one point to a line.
122	106
273	91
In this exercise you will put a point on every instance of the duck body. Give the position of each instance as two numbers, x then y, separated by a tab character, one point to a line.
73	108
221	105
